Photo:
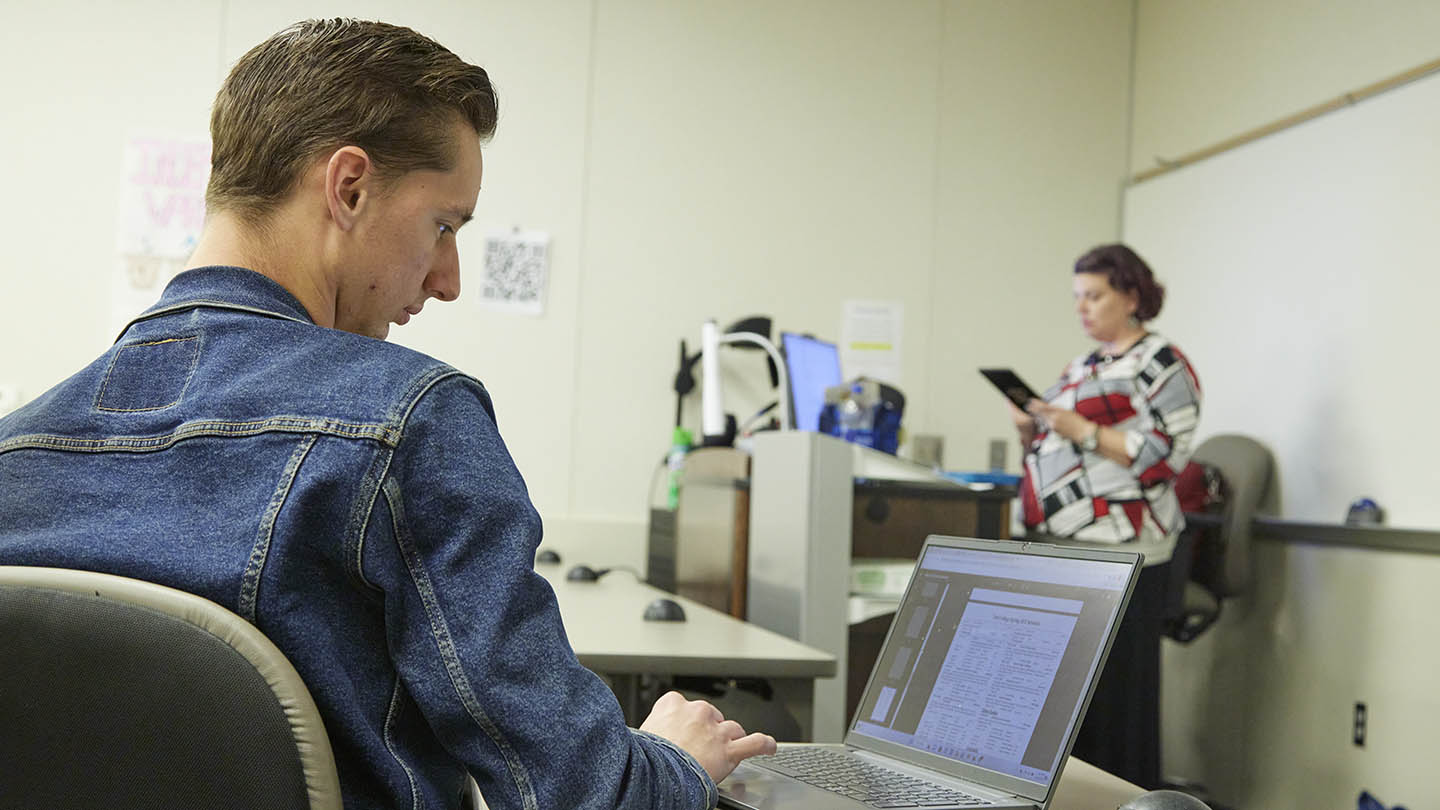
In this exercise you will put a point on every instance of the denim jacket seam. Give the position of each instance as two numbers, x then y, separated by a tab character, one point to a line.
390	745
255	566
359	524
445	645
354	552
196	303
712	793
419	388
399	417
383	433
105	382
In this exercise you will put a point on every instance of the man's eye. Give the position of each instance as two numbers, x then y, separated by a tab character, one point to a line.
444	229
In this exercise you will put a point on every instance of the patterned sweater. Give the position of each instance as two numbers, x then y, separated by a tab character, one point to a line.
1151	394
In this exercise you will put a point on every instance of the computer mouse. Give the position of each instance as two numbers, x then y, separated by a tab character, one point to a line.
664	610
1164	800
547	557
582	573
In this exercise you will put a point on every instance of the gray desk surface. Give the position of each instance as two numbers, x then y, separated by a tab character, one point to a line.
603	621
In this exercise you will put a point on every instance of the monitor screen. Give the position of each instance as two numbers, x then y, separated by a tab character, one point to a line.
813	366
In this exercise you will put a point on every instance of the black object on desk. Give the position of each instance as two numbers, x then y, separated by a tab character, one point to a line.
583	573
547	557
664	610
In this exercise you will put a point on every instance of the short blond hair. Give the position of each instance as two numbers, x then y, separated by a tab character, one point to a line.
319	85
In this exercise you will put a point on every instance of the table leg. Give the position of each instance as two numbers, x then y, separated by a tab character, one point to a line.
627	692
797	695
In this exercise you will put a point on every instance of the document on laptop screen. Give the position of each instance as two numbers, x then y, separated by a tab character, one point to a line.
989	658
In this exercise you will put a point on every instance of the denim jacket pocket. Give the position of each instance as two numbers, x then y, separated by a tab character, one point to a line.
149	376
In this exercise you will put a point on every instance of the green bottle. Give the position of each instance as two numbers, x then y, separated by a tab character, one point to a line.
680	441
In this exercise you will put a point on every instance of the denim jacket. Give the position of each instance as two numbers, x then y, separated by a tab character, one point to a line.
354	500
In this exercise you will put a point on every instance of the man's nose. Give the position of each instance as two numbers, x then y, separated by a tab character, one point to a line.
444	279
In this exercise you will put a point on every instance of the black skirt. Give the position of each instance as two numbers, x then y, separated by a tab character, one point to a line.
1121	730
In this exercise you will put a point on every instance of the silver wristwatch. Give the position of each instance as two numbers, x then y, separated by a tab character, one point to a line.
1091	442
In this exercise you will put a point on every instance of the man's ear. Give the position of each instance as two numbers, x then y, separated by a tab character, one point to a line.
349	183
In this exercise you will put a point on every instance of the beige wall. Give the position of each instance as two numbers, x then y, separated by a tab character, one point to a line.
76	77
745	157
1029	167
1260	708
689	160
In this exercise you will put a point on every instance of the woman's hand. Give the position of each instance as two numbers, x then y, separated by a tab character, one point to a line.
1069	424
1109	442
1024	423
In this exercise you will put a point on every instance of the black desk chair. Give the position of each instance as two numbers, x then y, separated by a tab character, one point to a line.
121	693
1216	546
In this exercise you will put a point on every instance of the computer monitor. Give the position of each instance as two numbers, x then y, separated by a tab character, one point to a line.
813	366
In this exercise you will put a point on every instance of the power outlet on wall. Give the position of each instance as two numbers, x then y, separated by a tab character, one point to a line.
9	398
1361	719
997	454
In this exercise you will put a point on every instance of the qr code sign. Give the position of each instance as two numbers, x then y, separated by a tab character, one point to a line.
516	266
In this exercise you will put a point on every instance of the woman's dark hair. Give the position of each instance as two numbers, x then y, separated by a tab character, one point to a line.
1127	273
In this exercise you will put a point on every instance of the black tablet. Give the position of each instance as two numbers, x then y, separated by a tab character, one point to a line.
1010	385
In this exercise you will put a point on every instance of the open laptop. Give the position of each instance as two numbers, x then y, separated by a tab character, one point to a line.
978	691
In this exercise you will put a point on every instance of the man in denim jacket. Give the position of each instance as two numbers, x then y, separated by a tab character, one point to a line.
252	439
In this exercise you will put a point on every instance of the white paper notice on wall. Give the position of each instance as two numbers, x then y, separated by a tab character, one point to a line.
870	340
162	208
517	268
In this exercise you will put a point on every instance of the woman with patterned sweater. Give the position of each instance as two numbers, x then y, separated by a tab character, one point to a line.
1102	453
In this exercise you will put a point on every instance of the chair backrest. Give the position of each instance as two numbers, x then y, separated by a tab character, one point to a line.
121	693
1247	468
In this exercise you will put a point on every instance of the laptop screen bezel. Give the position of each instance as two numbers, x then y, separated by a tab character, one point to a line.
1000	781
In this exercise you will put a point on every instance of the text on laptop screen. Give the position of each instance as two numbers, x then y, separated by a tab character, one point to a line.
989	657
812	365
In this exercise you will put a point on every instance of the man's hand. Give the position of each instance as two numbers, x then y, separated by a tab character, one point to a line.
699	728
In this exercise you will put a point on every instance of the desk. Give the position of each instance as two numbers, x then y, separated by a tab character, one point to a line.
1085	787
603	621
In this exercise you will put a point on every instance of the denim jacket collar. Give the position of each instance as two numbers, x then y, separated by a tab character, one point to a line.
221	287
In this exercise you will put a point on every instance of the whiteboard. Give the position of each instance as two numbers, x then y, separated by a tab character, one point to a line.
1303	275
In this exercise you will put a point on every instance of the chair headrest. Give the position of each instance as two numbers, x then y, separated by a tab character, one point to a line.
1248	469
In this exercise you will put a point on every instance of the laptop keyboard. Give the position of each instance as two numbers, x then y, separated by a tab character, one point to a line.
851	776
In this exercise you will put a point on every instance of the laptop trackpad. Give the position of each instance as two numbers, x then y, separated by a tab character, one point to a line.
761	789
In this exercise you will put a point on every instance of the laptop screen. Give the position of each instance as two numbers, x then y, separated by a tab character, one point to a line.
991	656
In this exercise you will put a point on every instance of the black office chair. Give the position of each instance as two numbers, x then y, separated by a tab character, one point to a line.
121	693
1217	545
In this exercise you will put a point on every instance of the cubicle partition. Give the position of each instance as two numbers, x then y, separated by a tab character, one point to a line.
816	505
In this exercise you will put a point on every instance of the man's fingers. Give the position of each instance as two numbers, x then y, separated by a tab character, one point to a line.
731	730
753	745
